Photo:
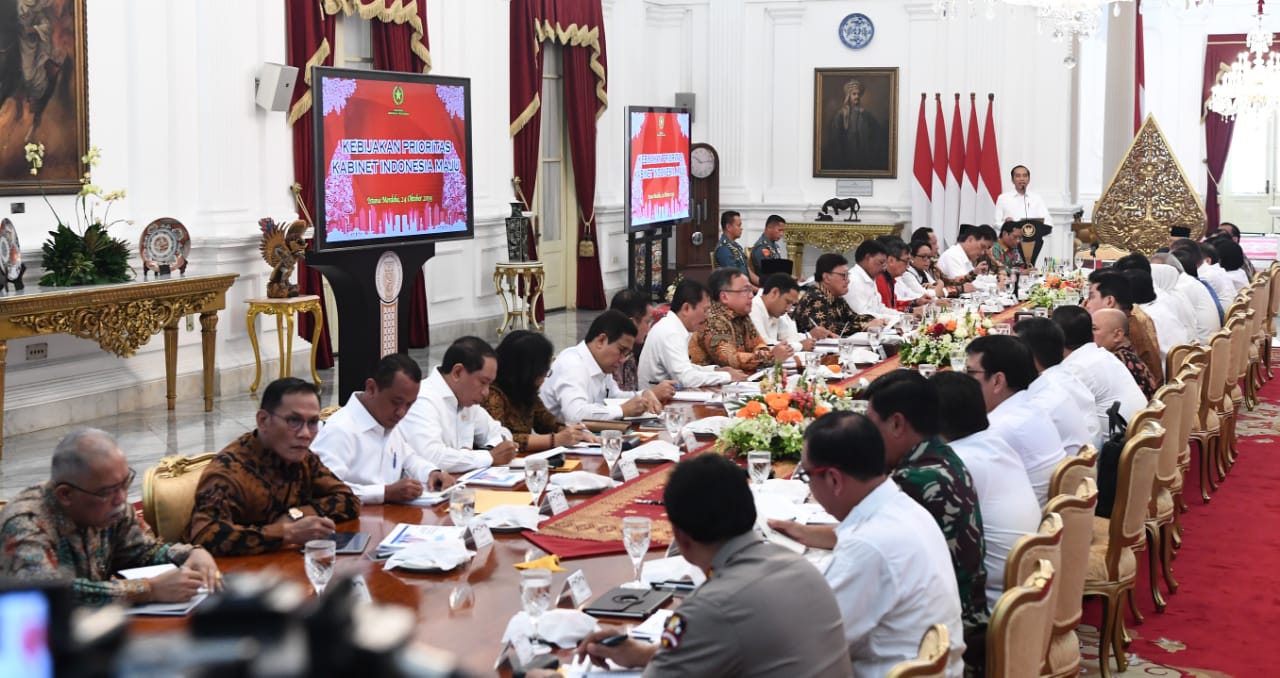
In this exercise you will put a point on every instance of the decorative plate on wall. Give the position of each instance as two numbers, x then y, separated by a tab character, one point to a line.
10	250
165	242
856	31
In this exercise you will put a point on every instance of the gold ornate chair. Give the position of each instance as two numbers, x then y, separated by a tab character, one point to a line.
329	412
1112	570
1021	623
1070	471
169	494
1273	309
1030	549
1076	511
1161	511
931	662
1191	376
1239	327
1259	342
1208	430
1177	356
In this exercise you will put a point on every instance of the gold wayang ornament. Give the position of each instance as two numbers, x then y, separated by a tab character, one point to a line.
1148	195
281	248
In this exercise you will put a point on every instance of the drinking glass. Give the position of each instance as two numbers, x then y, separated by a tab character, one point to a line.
611	447
958	359
927	369
535	594
635	536
675	418
462	505
758	464
319	557
535	477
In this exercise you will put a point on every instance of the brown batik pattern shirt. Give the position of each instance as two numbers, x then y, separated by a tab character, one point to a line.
820	308
521	421
728	339
247	488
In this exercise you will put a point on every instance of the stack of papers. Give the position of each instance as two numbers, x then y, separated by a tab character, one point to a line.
406	534
161	609
694	396
494	476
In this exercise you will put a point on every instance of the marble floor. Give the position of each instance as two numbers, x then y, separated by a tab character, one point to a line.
147	436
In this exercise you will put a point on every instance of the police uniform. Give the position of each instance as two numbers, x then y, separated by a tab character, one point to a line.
765	249
730	254
763	611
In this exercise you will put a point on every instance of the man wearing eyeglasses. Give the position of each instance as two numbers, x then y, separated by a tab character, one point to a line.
79	526
729	339
824	312
267	490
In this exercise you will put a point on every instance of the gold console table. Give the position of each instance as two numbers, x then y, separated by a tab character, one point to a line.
831	236
283	310
519	285
121	318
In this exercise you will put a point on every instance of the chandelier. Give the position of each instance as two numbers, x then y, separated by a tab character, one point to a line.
1252	85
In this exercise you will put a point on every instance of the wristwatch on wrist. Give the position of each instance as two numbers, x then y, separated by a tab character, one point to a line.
295	513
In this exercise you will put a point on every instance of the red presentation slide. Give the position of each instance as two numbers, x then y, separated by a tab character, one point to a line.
659	167
395	159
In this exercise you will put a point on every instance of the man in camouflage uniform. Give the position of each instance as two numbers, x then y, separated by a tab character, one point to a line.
769	245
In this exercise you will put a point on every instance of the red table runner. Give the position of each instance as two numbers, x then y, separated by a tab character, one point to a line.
594	527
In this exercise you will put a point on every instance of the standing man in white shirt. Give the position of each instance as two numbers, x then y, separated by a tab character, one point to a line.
364	447
863	297
1004	367
1057	391
890	569
447	424
965	260
582	375
666	355
770	311
1020	203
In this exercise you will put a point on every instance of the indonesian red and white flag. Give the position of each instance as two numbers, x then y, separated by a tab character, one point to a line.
922	187
972	160
937	216
1139	74
955	174
990	187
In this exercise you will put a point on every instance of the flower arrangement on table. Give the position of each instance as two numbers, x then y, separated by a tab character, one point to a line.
85	254
1053	291
934	341
775	419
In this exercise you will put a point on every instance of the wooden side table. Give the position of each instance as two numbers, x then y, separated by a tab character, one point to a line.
519	285
283	310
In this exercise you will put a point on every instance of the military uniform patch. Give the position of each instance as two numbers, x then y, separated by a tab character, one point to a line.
672	631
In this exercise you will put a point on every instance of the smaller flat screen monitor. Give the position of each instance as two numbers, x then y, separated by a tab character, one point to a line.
393	158
657	171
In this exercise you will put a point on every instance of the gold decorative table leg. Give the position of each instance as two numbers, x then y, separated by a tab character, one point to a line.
315	340
280	340
4	353
253	340
208	344
171	364
539	277
795	251
498	281
288	342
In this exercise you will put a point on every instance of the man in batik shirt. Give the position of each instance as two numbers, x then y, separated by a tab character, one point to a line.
1111	331
79	527
1006	253
729	338
268	490
823	312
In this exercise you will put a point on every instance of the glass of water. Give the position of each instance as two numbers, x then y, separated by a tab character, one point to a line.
535	595
635	536
611	447
319	557
535	477
958	359
462	505
847	347
759	462
675	418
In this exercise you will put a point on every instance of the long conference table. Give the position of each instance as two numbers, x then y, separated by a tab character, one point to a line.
465	611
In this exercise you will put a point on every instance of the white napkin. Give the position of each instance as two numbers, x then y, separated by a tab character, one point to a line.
774	506
519	462
444	555
864	355
654	450
709	425
792	490
509	517
581	481
561	626
675	568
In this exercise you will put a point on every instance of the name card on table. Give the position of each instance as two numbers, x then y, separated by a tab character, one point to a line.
627	467
576	590
555	501
478	534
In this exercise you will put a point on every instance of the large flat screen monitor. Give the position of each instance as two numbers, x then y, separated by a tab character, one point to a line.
657	166
393	158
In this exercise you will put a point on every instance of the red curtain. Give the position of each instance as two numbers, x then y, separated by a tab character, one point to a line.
309	34
393	51
579	26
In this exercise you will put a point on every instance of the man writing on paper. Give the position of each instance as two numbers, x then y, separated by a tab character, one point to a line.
363	446
79	526
770	311
266	490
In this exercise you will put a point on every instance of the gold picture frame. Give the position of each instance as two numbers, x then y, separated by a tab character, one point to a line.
860	140
56	91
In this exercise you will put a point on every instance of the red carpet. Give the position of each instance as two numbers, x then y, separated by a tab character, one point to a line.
1222	620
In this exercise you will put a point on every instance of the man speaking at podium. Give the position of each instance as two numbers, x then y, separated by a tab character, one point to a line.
1020	203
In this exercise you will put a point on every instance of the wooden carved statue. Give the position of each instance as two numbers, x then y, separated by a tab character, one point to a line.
282	247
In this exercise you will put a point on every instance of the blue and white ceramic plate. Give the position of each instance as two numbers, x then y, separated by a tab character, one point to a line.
856	31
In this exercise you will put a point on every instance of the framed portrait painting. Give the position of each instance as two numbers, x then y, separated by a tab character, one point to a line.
43	94
855	122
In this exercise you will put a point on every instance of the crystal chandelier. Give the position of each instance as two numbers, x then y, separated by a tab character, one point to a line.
1252	86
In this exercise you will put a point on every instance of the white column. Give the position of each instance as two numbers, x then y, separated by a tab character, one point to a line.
724	110
1117	124
785	159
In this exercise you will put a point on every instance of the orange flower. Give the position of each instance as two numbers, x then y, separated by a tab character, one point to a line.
838	391
821	410
790	416
750	409
951	325
777	401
